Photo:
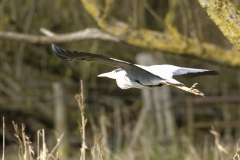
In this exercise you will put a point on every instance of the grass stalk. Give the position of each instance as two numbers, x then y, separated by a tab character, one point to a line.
58	142
80	99
3	139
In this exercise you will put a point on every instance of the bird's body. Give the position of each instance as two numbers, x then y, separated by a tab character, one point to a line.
126	80
130	75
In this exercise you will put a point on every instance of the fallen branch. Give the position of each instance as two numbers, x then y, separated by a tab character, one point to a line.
192	90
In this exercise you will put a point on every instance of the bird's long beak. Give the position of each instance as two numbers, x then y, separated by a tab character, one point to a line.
103	75
108	74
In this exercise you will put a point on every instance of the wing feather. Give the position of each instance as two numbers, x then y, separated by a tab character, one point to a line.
65	54
135	72
192	72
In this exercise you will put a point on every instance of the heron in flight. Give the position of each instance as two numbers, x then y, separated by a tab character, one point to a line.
130	75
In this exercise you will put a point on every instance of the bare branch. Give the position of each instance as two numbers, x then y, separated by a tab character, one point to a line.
173	42
47	32
89	33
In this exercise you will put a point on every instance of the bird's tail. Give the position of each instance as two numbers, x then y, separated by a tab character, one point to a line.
192	72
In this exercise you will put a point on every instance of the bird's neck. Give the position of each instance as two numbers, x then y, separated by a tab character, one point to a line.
123	80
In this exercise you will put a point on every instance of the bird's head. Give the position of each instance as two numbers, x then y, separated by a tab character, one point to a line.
112	74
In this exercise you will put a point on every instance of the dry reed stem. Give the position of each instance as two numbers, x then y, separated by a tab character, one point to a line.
80	99
98	150
237	154
25	148
192	90
3	139
220	148
17	135
43	154
38	142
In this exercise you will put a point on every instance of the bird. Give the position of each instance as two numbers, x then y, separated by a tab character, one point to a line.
129	75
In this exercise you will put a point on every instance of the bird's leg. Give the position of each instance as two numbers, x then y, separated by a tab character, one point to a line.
191	90
194	86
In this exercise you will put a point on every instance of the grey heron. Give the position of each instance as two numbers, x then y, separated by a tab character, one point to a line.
130	75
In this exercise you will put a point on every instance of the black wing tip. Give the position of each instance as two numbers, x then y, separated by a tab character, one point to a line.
60	52
56	49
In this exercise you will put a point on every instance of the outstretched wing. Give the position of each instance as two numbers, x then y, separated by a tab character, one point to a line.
192	72
65	54
134	72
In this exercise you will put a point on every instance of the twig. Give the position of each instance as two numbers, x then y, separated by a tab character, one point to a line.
25	148
192	90
58	142
44	150
154	14
18	136
3	139
89	33
107	8
237	154
24	143
80	99
47	32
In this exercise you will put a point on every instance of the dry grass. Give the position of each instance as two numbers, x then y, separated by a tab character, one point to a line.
98	150
145	148
26	151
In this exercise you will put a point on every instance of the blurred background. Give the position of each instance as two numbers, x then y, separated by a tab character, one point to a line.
162	123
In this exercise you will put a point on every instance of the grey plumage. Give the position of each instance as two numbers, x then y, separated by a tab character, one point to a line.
130	75
192	72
